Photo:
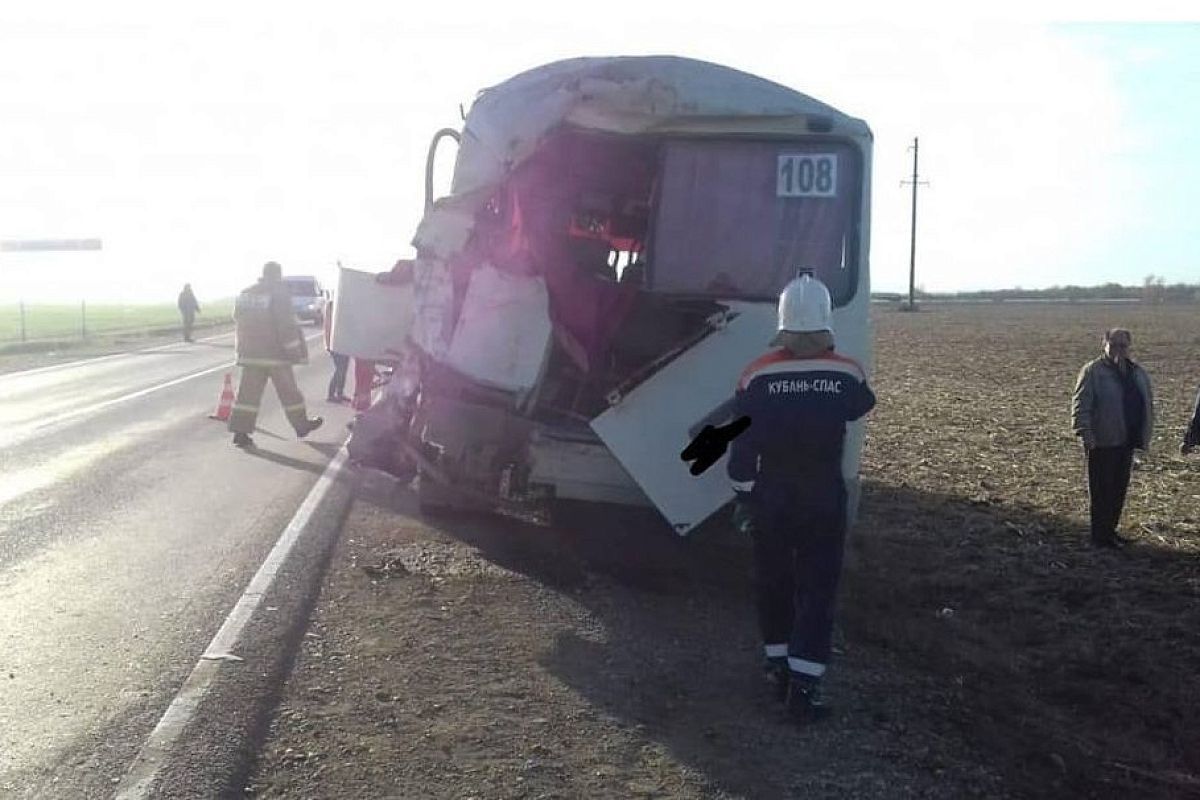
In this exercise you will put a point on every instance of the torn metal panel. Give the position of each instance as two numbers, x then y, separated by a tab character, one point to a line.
504	329
433	301
648	428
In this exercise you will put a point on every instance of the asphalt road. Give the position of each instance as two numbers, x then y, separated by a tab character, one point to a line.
129	526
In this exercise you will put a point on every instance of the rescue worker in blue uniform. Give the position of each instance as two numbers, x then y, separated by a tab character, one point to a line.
786	470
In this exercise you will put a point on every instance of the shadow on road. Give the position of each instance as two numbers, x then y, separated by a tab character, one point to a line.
327	449
287	461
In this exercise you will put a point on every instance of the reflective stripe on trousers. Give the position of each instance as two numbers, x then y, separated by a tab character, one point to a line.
244	413
798	548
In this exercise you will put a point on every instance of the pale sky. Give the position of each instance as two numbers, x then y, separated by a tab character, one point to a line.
200	141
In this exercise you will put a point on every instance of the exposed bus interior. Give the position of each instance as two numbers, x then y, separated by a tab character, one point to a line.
639	240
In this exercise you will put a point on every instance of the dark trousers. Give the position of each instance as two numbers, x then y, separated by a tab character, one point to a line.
337	384
798	547
189	319
1108	480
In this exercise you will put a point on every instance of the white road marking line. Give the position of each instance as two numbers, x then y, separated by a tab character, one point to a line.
165	348
26	432
23	433
139	780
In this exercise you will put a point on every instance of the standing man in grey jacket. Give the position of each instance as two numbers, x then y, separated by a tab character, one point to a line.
1112	411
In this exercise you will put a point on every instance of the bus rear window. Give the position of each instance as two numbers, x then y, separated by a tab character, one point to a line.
739	219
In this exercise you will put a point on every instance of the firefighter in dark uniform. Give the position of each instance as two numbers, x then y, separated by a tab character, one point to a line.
269	343
786	470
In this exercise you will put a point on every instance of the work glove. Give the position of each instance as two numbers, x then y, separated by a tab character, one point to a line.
743	514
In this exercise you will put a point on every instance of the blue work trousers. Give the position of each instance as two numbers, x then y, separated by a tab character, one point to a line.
799	537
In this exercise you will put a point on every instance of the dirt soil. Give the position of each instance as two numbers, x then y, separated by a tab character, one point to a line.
983	648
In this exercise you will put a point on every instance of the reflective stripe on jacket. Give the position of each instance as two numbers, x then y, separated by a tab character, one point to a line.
267	331
798	409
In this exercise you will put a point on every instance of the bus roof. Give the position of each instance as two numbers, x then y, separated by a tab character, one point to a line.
666	95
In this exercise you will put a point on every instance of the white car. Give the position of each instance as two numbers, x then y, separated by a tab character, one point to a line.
309	298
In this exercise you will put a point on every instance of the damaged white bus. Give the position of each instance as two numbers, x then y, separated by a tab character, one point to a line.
608	259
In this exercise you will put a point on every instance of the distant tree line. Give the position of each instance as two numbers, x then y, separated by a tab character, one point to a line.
1153	289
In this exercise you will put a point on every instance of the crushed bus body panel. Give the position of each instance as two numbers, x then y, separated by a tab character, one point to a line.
607	261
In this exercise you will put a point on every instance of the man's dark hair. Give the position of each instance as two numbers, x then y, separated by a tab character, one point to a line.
1111	332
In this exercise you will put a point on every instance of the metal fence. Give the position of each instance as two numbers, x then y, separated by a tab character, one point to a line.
23	322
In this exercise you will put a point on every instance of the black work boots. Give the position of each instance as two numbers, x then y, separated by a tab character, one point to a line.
310	425
776	672
805	703
800	694
244	441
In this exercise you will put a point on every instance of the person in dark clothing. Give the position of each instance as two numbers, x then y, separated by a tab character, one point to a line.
786	470
1112	412
341	364
188	309
1191	436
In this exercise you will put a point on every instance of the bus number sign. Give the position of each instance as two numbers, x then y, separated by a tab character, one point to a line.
807	175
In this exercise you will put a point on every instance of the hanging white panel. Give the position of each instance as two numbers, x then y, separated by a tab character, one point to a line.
371	320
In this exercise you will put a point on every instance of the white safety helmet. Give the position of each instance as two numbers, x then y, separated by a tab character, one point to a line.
805	306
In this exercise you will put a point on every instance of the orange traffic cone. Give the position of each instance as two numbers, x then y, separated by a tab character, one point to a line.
225	404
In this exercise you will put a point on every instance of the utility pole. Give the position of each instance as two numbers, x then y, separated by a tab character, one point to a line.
912	253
